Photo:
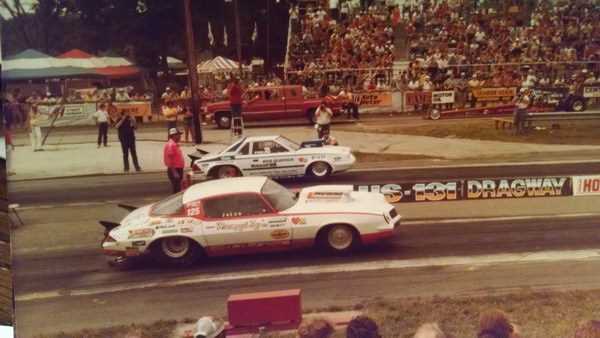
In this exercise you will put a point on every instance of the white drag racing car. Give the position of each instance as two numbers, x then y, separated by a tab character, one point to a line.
247	215
273	156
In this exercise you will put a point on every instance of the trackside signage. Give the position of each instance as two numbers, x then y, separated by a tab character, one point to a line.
473	189
586	185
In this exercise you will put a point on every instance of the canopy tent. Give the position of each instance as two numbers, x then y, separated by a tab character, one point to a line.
217	65
109	66
32	64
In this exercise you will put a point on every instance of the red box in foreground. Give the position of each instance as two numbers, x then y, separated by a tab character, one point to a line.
265	308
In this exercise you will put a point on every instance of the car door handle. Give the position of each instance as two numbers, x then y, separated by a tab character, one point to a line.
254	160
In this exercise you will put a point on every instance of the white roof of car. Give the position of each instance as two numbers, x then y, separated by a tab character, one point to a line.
223	187
262	138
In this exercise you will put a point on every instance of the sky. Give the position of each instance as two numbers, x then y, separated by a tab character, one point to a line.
26	4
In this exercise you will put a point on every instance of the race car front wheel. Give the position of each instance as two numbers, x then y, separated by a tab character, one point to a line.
227	171
319	169
577	105
339	239
175	251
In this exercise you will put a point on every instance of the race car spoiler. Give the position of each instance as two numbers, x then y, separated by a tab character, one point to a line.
197	154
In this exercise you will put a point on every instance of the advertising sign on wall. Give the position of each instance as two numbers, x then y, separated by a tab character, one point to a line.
74	114
586	185
441	97
417	98
494	94
591	91
137	109
374	99
476	189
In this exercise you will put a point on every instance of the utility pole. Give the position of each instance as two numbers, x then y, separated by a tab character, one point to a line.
238	40
192	72
268	58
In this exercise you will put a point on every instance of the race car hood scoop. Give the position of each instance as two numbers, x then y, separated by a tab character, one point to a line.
340	197
198	154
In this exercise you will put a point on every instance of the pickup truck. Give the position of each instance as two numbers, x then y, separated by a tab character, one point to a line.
274	103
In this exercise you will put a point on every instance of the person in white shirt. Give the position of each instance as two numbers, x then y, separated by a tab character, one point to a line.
323	117
101	116
122	96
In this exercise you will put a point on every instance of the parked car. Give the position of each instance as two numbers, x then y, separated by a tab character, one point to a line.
273	156
272	103
248	215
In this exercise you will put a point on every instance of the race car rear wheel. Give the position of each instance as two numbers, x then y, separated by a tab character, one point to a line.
339	239
319	169
227	171
577	105
223	120
175	251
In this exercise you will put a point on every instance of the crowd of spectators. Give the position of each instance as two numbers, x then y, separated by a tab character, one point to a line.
448	40
493	323
344	38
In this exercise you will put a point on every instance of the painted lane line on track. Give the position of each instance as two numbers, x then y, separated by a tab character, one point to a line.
496	219
451	261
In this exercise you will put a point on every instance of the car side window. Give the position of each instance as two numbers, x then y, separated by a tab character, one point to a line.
240	205
267	147
245	149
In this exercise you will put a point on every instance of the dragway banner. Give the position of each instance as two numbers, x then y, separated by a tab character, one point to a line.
473	189
586	185
590	92
442	97
494	94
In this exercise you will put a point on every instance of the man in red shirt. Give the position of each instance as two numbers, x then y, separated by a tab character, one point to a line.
173	159
235	101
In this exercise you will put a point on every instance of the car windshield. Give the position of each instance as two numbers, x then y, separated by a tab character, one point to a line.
279	197
169	206
288	143
235	146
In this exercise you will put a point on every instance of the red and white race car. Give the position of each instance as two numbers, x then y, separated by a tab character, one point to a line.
247	215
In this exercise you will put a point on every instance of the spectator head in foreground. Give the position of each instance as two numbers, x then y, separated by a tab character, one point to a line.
208	327
588	329
362	327
315	328
495	324
430	330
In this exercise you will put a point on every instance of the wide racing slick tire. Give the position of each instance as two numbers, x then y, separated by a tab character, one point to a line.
223	120
226	171
319	170
176	251
338	239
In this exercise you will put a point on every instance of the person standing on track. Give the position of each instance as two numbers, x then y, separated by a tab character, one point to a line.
173	159
234	90
323	117
101	117
126	126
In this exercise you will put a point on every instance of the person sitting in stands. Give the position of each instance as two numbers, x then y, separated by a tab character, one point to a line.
122	96
362	327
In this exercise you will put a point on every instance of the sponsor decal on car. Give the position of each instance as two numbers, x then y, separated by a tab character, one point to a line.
138	243
280	234
186	230
251	225
323	195
169	231
140	233
298	220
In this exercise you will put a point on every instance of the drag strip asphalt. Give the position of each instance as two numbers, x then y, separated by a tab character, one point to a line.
132	186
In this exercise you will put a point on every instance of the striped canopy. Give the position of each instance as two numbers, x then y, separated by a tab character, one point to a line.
218	64
32	64
113	67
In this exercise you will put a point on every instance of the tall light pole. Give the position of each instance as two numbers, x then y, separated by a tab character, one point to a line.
192	72
238	43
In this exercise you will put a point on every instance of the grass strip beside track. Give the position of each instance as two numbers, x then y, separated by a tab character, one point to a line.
537	314
575	133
